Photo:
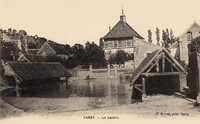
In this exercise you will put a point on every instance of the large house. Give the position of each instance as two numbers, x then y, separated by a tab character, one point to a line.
180	49
123	37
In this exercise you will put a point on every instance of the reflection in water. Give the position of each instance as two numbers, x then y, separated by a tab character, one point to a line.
98	93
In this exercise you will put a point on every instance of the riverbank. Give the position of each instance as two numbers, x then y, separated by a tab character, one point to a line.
157	106
7	110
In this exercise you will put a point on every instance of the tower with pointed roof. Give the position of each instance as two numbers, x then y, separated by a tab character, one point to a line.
123	37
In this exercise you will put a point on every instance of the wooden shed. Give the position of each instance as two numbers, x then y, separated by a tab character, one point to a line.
26	73
158	73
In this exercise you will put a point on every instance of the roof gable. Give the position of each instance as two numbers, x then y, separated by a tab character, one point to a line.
194	25
122	30
152	59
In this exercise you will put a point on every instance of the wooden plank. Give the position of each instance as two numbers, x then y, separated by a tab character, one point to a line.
162	73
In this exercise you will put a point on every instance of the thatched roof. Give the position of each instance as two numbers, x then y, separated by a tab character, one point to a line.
146	63
38	71
122	30
35	58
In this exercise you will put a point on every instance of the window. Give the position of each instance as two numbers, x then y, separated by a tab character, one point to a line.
119	43
124	43
189	36
111	44
106	45
115	44
129	43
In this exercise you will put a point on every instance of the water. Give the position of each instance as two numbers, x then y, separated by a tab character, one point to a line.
83	93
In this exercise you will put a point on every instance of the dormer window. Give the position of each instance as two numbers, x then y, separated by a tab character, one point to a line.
189	36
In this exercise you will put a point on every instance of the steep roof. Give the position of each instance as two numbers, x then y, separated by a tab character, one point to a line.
35	58
59	48
37	71
147	62
195	24
122	30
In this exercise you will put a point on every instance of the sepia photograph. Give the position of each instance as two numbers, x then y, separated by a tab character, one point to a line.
125	61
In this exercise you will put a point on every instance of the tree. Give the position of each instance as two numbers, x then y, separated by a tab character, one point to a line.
101	43
94	55
158	36
120	57
168	38
149	36
9	51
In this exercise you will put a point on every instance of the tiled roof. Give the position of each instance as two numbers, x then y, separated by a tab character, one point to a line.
35	58
37	71
122	30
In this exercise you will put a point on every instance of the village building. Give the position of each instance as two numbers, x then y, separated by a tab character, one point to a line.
158	73
123	37
194	67
53	49
31	58
180	49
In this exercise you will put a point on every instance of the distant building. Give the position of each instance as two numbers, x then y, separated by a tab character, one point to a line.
123	37
51	48
180	50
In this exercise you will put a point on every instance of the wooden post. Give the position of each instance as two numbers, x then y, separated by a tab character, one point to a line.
63	85
115	70
163	63
157	66
143	86
17	88
90	71
108	70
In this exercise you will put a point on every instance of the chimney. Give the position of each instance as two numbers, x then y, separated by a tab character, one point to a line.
109	28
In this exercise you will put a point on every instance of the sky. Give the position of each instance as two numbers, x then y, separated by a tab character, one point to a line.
79	21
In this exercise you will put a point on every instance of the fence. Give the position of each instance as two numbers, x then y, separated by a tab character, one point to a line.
99	73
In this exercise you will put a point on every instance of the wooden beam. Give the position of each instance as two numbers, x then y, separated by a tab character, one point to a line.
138	89
152	65
162	73
138	85
157	67
174	64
